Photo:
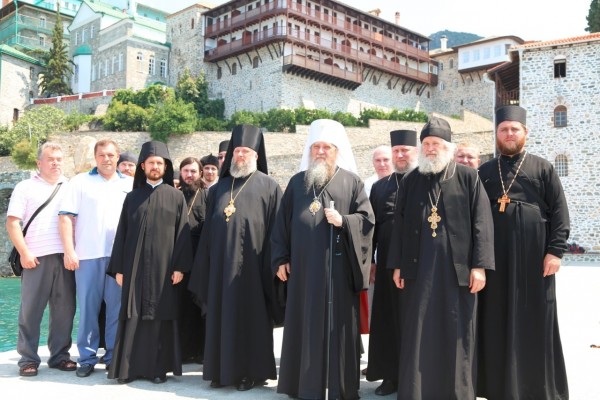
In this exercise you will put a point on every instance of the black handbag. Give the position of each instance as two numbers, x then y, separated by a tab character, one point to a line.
14	259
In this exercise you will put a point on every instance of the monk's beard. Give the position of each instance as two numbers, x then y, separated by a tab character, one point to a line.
510	148
192	187
243	169
318	174
437	164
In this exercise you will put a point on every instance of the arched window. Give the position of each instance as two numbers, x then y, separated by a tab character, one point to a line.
219	72
441	66
193	23
234	69
255	62
451	63
560	116
561	164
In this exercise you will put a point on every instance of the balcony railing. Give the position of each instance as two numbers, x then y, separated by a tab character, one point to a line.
320	45
353	78
406	45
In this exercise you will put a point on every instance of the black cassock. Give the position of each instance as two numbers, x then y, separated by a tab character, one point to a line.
192	322
437	311
302	239
232	277
520	349
384	331
152	241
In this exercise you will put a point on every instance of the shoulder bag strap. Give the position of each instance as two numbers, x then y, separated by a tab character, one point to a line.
40	208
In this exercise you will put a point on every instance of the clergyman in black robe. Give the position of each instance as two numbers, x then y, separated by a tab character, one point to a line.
152	250
301	254
192	320
231	273
384	336
442	242
521	353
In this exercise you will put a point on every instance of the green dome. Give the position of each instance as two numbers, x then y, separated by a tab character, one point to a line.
83	50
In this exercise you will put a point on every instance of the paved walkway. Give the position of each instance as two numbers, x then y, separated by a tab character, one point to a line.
578	296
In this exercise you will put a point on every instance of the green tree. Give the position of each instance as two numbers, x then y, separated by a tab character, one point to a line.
172	117
32	130
125	117
57	70
593	18
195	90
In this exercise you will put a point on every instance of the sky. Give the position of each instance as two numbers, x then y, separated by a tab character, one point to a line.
527	19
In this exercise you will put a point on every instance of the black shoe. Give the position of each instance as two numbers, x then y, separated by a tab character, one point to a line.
215	384
101	360
84	370
159	379
123	381
364	371
245	384
388	386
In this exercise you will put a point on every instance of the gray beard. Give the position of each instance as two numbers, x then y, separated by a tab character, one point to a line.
245	169
318	174
437	165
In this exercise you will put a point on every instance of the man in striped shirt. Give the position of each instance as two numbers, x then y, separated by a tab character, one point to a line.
44	280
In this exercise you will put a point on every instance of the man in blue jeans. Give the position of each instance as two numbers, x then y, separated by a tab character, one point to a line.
88	219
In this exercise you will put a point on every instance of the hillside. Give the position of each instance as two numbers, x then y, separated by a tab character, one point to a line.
454	38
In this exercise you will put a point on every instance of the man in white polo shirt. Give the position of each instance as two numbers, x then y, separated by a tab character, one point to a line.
89	215
44	280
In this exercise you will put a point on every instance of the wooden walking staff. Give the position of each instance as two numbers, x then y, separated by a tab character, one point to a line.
329	304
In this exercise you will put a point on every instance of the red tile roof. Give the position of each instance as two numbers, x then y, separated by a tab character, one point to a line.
571	40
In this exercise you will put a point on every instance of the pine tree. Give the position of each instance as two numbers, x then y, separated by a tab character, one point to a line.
593	17
57	64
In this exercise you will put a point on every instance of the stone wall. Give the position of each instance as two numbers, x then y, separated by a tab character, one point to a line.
457	92
579	141
187	42
17	86
91	105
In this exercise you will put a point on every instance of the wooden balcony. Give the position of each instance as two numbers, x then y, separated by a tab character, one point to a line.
319	71
407	46
317	45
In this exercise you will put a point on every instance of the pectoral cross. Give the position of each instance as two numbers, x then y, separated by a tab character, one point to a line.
229	210
434	218
503	201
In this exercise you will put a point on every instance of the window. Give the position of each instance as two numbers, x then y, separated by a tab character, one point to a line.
140	60
163	68
42	40
486	53
83	35
497	51
219	72
560	116
560	67
113	68
151	66
476	55
193	21
466	57
441	86
255	62
441	66
561	164
234	69
92	32
120	62
42	22
451	63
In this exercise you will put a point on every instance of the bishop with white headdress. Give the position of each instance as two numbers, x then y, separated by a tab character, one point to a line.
300	256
